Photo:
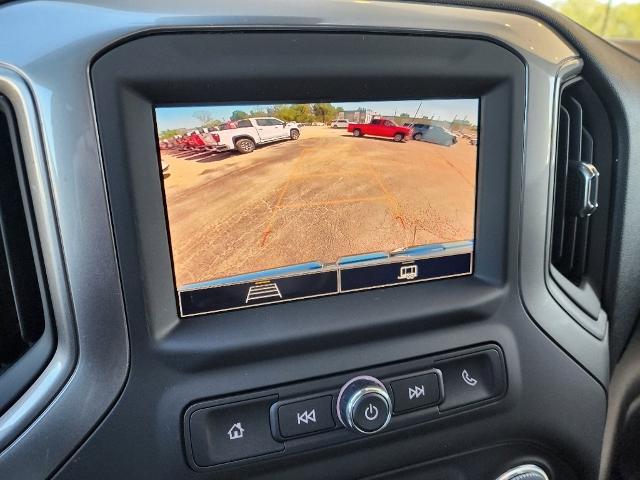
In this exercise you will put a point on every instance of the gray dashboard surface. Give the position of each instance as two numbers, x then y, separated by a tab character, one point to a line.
54	71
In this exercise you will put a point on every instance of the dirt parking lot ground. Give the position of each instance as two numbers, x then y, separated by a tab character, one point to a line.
321	197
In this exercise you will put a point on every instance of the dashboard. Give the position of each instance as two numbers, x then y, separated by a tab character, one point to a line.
339	239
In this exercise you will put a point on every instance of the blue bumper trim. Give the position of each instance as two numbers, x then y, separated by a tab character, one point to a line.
249	277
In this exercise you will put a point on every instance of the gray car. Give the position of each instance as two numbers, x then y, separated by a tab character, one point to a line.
432	134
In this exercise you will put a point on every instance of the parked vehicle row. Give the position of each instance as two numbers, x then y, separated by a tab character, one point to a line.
380	127
242	136
245	135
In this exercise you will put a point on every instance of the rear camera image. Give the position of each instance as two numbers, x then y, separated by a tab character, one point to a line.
278	202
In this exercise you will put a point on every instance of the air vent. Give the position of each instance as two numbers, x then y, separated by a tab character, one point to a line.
582	190
24	347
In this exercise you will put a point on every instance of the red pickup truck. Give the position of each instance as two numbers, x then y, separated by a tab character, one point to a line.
380	127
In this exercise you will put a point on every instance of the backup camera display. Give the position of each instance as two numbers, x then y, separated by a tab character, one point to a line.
280	202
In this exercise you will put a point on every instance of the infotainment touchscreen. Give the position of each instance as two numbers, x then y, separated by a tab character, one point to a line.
281	202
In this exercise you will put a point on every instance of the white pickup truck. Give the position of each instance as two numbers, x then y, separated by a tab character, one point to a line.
250	132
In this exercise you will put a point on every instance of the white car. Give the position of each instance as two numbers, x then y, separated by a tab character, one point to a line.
244	135
340	123
432	134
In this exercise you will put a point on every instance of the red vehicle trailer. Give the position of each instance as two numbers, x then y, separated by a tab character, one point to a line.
196	142
380	127
182	142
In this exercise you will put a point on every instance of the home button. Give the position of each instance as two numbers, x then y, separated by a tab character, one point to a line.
231	432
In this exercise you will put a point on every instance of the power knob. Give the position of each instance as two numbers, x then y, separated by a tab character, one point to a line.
525	472
364	405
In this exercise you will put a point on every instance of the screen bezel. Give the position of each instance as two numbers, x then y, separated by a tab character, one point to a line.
125	98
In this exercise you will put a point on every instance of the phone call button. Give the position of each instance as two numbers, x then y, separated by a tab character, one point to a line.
472	378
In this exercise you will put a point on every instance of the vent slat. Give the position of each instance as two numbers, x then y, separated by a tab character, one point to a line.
580	262
587	147
575	133
568	252
562	165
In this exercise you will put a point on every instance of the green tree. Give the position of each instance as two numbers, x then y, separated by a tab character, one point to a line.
238	115
171	133
624	22
301	113
324	112
621	21
258	113
283	112
204	116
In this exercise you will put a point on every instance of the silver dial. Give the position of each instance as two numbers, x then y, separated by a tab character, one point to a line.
364	405
524	472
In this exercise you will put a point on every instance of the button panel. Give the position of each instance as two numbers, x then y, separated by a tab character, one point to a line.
304	416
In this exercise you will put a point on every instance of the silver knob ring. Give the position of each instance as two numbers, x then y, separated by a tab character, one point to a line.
350	395
524	470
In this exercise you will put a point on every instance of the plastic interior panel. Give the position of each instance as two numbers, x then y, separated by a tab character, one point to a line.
72	175
178	362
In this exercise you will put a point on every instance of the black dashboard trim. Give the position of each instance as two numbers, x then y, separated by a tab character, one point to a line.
201	357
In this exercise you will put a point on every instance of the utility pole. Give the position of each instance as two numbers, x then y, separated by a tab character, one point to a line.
605	21
416	114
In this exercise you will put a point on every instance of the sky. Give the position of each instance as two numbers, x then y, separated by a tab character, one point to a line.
182	117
